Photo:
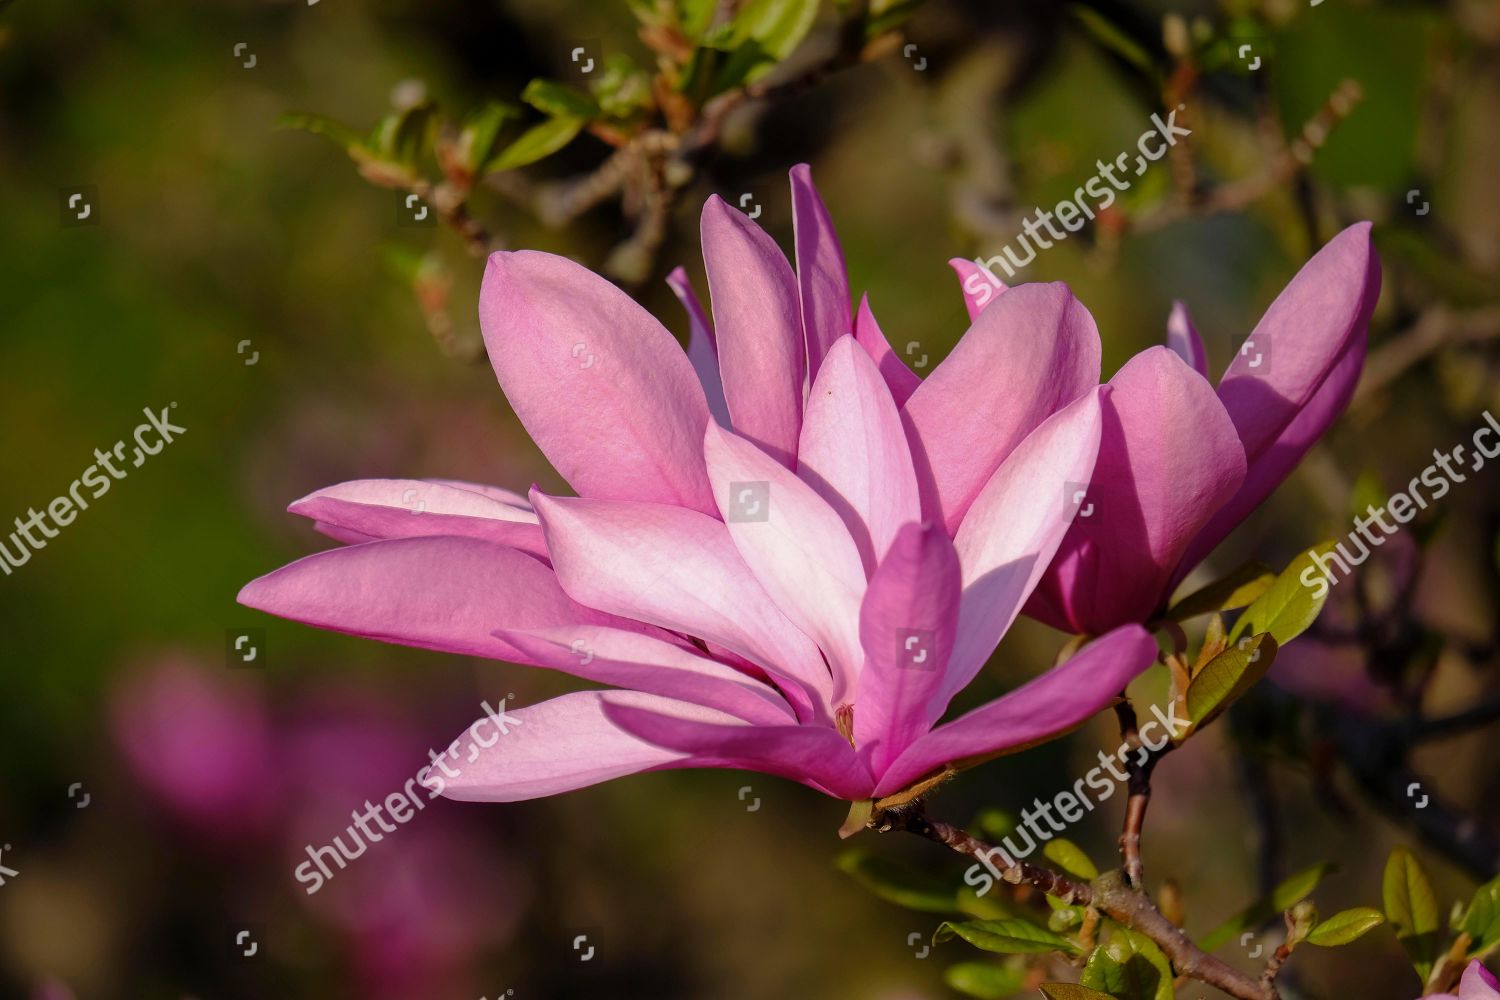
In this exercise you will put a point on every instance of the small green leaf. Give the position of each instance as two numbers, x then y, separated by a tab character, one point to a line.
1285	896
1129	967
779	25
1411	906
897	884
1482	919
479	140
694	16
887	14
321	125
559	101
1070	858
538	142
1225	678
1006	937
1070	991
987	982
1342	928
1289	605
1236	590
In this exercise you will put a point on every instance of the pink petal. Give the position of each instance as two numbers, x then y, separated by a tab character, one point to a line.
679	569
822	282
814	755
497	493
980	286
366	509
1183	339
434	592
1478	983
1050	705
1014	528
907	625
1033	352
1168	459
556	746
901	380
702	352
761	356
797	547
853	451
599	384
644	663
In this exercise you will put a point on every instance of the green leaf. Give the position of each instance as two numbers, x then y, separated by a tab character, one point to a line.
897	884
694	16
479	140
1070	991
1112	39
1007	937
1482	920
1288	606
1225	678
1129	967
779	25
538	142
887	14
988	982
1070	858
1285	896
1236	590
406	136
1342	928
322	125
559	101
1411	906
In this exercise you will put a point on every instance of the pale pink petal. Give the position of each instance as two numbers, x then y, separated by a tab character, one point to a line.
1168	459
979	284
435	592
901	380
1478	983
814	755
1062	698
853	451
599	384
796	545
497	493
555	746
645	663
1014	528
906	625
366	509
1183	339
822	282
1033	352
701	351
680	570
756	320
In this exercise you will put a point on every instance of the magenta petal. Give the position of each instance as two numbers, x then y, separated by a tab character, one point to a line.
655	666
680	570
365	509
1169	458
555	746
702	352
1028	355
761	355
1183	339
822	282
599	384
1050	705
906	625
901	380
436	592
980	286
853	451
814	755
1478	983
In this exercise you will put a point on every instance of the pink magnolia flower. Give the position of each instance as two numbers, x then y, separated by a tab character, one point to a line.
1478	983
1181	464
787	552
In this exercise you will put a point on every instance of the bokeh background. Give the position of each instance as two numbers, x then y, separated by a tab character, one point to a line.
204	778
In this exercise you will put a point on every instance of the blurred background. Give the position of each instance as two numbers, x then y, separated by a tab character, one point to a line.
158	786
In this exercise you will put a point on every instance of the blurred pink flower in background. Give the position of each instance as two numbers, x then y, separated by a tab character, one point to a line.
1478	983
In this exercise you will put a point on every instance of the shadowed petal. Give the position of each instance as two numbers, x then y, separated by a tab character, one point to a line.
1032	352
853	451
901	380
599	384
756	321
1183	339
980	286
822	282
1050	705
702	351
906	625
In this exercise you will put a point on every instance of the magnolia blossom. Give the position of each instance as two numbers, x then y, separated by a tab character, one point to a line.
1478	983
786	552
